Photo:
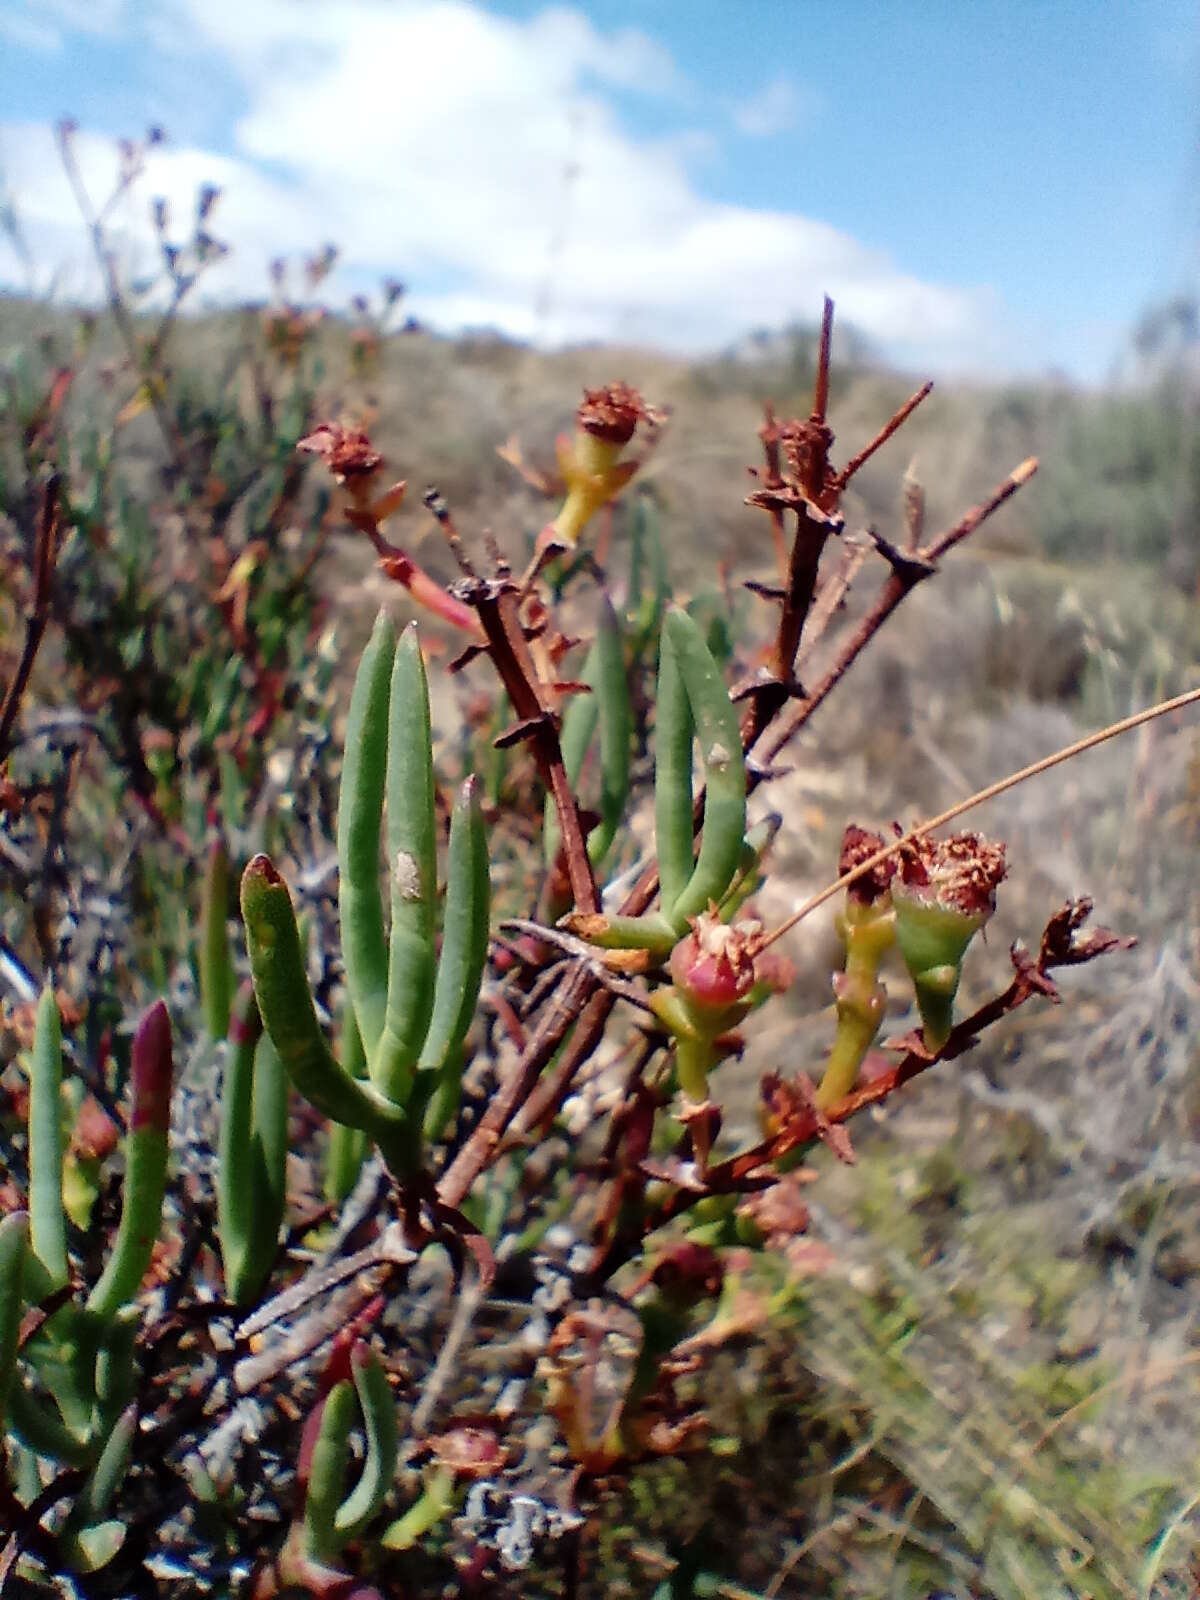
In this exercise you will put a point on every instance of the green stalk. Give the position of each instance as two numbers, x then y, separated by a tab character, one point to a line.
347	1146
145	1165
748	879
93	1548
379	1425
436	1499
14	1245
109	1471
37	1422
360	812
646	548
464	932
608	707
258	1175
216	966
720	738
271	1149
674	731
234	1160
327	1474
412	873
115	1378
578	726
610	690
286	1006
869	931
652	932
694	1051
444	1097
47	1222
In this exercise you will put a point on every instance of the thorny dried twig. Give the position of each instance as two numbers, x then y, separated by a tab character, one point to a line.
44	554
1061	946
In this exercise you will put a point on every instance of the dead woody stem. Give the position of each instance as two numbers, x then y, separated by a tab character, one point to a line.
772	708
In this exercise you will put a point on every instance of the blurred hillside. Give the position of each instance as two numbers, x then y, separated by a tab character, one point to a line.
1120	476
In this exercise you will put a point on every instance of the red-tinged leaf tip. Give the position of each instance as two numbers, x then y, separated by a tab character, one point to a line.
308	1442
261	869
243	1024
151	1071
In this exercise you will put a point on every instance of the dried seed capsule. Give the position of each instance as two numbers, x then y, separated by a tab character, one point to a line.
944	893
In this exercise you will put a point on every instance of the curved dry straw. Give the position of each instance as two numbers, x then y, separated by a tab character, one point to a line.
1163	709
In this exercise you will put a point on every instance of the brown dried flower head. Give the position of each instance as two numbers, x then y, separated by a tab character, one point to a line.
613	413
859	845
960	873
470	1448
347	452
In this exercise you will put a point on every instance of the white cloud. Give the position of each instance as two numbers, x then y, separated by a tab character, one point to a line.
479	157
775	108
43	24
29	31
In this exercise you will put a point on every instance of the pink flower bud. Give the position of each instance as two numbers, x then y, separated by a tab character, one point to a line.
714	966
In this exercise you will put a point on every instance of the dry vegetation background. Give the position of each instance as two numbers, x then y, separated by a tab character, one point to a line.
995	1381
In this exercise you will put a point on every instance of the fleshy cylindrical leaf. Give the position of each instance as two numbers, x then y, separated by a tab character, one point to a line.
412	873
464	934
14	1245
286	1005
359	824
720	741
382	1438
48	1228
673	734
145	1165
327	1473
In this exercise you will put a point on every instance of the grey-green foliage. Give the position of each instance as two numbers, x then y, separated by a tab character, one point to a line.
1124	483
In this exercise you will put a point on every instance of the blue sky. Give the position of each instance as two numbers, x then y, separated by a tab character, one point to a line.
990	187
